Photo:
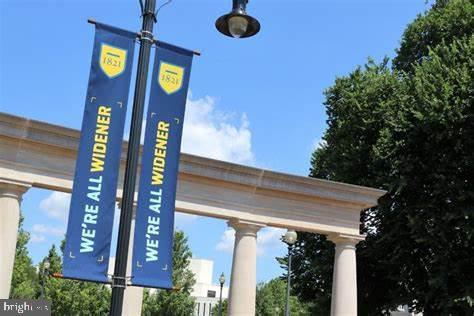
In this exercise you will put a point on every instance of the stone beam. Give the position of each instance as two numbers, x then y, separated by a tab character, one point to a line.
44	156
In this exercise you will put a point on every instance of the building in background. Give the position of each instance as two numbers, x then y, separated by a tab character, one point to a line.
206	293
403	311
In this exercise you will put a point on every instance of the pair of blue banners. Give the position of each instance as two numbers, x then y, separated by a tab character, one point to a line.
91	214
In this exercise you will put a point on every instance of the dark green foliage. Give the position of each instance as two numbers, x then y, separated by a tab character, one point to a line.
178	302
271	299
446	21
356	110
312	266
24	283
71	297
430	148
410	131
215	309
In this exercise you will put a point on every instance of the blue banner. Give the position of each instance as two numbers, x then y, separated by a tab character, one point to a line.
91	214
153	242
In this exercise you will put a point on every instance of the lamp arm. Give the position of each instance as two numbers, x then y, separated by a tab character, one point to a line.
239	5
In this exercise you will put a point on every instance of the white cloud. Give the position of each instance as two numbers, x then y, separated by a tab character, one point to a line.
56	205
226	243
48	230
212	133
215	134
35	238
268	240
40	231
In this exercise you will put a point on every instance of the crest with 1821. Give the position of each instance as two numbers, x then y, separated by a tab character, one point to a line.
112	60
170	77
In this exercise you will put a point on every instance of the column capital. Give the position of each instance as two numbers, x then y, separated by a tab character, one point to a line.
13	189
244	226
345	240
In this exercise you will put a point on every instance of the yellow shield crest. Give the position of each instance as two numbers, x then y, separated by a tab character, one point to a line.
170	77
112	60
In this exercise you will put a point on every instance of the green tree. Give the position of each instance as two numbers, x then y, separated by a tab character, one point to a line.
215	309
24	281
407	130
72	297
447	21
271	300
177	302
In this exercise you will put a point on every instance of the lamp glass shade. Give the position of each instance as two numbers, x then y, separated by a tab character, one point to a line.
238	26
290	237
222	279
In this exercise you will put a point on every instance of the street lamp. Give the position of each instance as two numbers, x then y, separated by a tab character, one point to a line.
221	281
289	239
238	23
46	266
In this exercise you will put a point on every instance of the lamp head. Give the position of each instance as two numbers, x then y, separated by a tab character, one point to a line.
222	279
238	23
290	237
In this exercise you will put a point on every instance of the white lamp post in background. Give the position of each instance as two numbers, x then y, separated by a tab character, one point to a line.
221	281
46	266
290	239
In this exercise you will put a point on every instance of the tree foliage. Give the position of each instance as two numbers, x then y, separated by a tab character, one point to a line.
446	21
225	305
72	297
178	302
407	130
271	300
24	283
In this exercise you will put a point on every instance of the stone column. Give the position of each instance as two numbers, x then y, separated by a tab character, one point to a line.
10	200
344	282
133	296
243	279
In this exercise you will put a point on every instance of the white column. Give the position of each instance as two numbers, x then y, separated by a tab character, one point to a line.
344	282
10	200
243	280
133	296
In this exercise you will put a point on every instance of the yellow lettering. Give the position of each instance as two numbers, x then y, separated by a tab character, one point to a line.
102	129
160	152
161	143
159	159
99	149
104	110
97	164
100	138
163	126
157	177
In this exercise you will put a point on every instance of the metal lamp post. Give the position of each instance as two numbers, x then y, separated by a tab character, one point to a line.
146	41
290	239
237	23
46	266
221	281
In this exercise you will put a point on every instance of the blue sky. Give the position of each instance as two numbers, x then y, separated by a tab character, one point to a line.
256	101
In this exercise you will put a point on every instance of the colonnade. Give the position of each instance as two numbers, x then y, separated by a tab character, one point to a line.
243	277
